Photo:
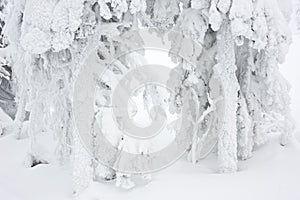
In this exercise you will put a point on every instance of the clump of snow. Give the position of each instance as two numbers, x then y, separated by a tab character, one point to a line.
137	6
215	17
48	24
224	5
36	41
66	20
104	10
240	15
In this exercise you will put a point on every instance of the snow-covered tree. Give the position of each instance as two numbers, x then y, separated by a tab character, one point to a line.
235	47
256	42
6	86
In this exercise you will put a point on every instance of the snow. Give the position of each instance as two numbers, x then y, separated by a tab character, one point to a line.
272	173
290	70
104	10
48	24
5	121
270	180
215	18
17	182
4	118
137	6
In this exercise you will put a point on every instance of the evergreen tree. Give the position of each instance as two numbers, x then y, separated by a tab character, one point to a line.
238	45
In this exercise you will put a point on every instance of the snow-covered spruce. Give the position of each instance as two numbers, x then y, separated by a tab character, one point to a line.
239	46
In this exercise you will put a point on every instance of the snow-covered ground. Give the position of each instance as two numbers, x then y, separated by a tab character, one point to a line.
273	173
